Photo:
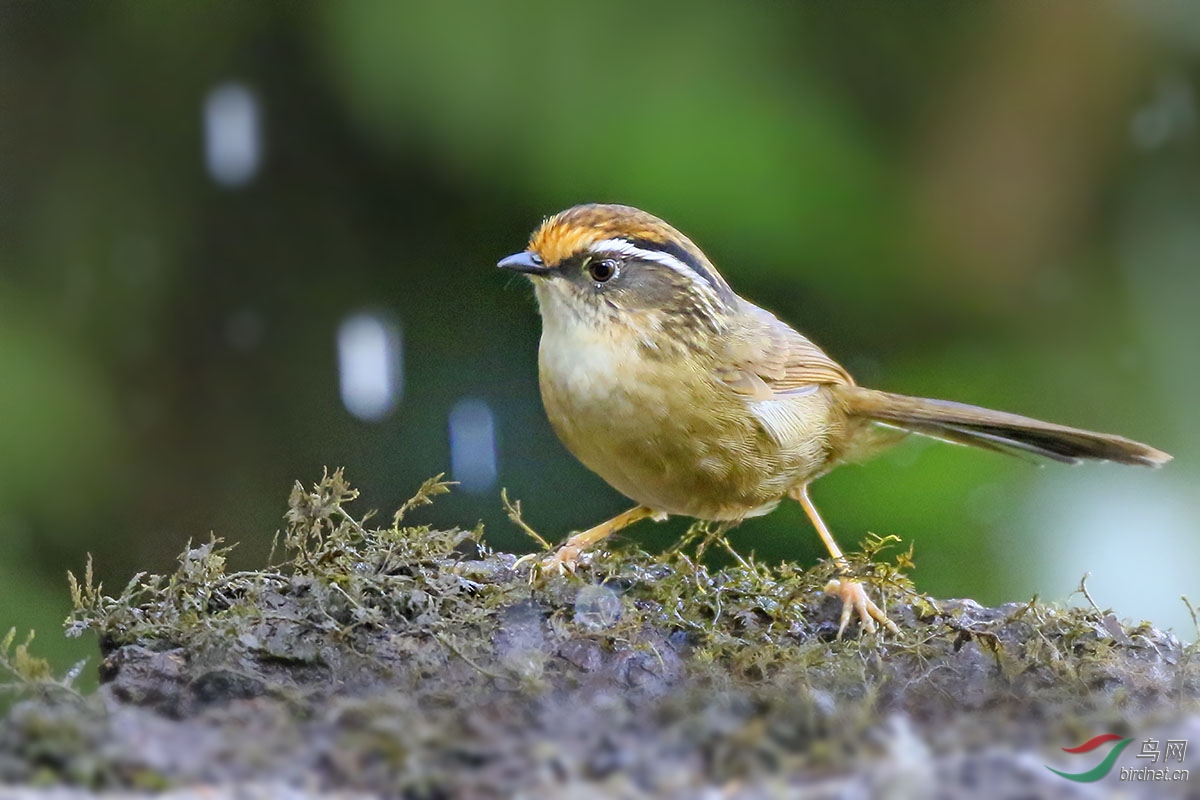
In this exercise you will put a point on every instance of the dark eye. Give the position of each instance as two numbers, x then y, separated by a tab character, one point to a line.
602	270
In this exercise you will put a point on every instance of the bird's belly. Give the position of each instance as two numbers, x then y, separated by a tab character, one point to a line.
679	444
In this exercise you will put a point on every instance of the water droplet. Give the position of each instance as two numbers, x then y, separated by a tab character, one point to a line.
597	607
520	641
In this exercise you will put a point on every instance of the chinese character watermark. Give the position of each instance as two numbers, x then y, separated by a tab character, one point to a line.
1170	750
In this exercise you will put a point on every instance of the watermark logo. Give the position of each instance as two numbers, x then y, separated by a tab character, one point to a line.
1104	767
1152	749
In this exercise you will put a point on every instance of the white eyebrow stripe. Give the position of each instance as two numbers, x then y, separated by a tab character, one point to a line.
705	294
620	247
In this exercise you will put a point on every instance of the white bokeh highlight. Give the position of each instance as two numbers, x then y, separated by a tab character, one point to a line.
370	365
473	445
232	135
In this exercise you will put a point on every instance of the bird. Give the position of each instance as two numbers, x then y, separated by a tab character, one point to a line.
692	401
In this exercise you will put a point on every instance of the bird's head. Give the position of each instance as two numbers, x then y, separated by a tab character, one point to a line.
613	265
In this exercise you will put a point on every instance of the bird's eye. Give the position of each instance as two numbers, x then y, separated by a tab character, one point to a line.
602	270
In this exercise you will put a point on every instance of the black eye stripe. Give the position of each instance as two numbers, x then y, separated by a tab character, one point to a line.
694	263
682	255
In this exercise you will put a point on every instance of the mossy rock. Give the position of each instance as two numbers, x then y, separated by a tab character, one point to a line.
410	662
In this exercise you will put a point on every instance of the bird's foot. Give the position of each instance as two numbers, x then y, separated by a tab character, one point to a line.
854	600
564	561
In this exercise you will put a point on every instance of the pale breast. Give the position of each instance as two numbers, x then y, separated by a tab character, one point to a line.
667	437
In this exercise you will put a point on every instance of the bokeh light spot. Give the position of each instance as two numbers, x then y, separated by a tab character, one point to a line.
232	135
473	445
370	358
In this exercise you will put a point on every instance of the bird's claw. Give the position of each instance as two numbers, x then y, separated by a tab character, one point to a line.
564	561
528	558
854	600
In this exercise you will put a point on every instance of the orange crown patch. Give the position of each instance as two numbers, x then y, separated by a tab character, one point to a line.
574	230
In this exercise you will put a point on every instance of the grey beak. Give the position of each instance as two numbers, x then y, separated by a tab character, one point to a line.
525	261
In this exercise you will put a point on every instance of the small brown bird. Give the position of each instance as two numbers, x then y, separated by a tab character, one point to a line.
690	400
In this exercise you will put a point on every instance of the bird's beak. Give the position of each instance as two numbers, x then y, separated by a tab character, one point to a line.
525	261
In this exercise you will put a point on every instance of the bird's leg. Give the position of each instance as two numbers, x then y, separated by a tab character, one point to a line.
566	558
851	593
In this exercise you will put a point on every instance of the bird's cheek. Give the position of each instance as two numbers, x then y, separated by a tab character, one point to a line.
561	307
550	297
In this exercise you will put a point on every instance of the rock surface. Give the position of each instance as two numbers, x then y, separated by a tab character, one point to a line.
408	662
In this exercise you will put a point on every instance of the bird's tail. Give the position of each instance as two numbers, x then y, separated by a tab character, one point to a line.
995	430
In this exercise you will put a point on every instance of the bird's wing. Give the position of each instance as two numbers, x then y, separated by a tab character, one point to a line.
771	366
766	359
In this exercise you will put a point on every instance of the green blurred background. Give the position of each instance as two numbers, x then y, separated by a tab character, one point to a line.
992	202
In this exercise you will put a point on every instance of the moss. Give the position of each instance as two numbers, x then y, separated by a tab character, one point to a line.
343	582
408	659
29	674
